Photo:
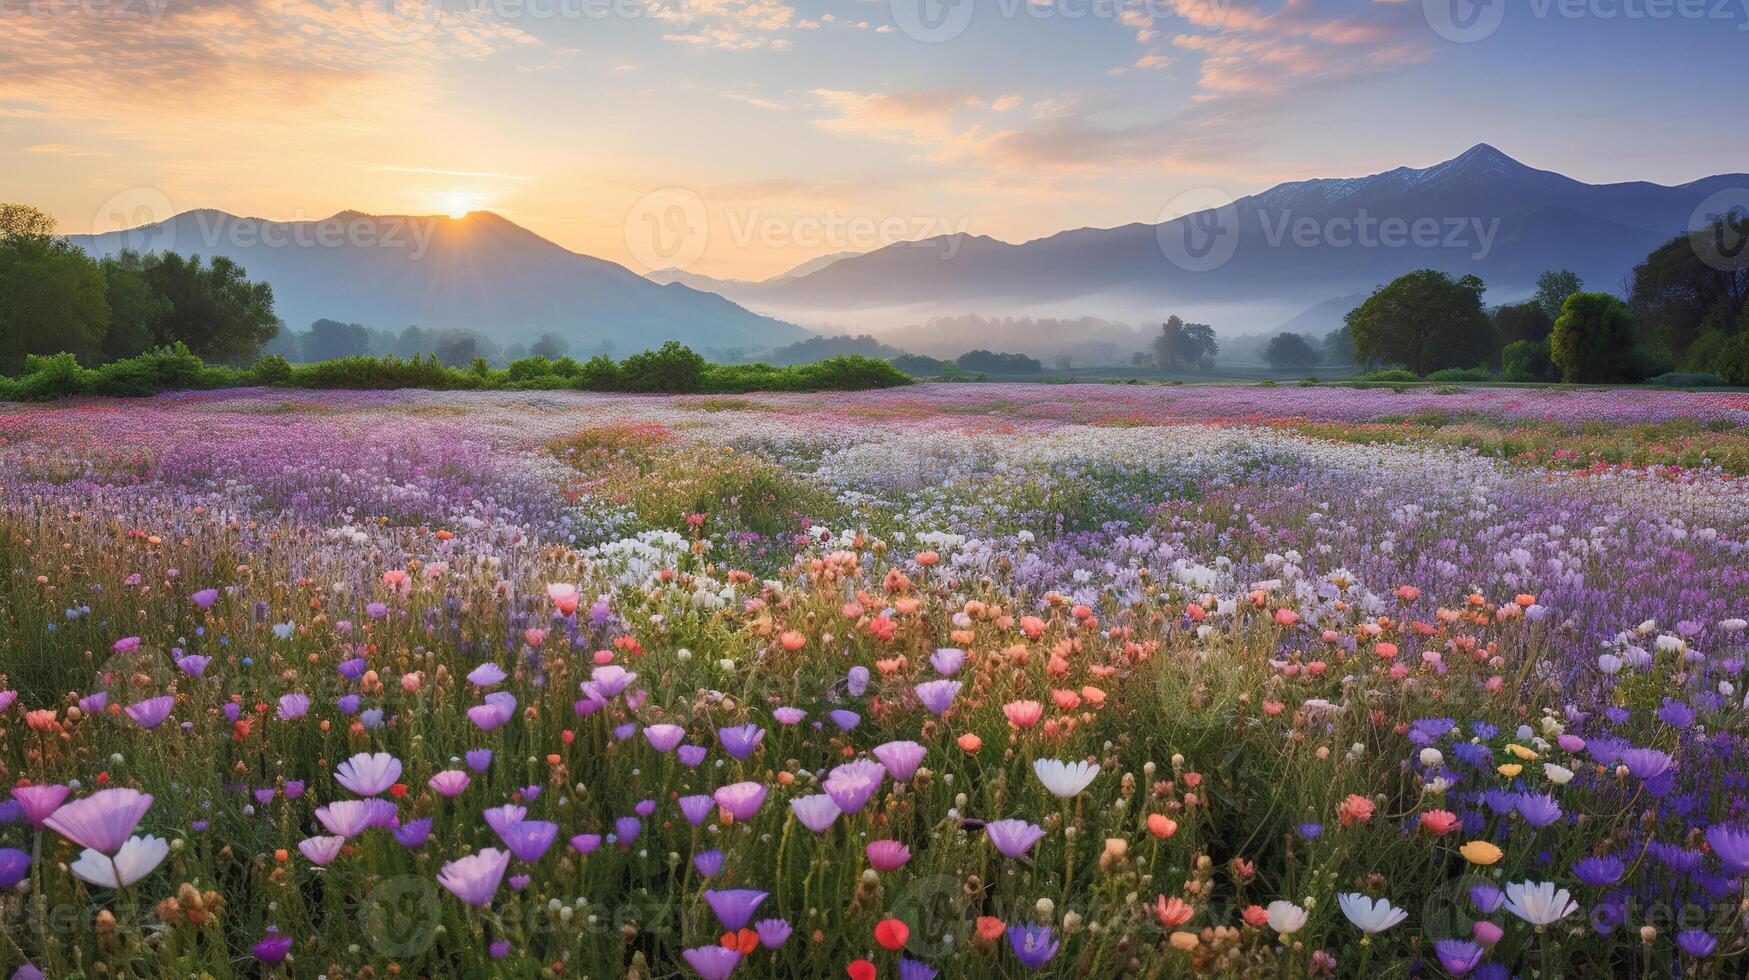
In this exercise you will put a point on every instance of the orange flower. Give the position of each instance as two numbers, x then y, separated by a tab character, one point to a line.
1172	911
971	743
1093	695
792	641
1440	821
990	928
1066	700
1286	617
1032	626
743	942
1355	809
1161	826
927	558
1255	916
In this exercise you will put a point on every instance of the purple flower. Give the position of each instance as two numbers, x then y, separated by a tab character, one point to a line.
1539	811
293	706
1013	837
789	716
845	720
529	839
1600	872
500	817
610	679
586	843
499	949
937	696
486	675
742	800
772	932
708	863
1697	943
1645	763
38	802
1731	844
691	755
149	714
627	829
1033	945
479	760
887	855
915	970
102	821
857	682
816	812
900	758
1487	899
1458	956
272	948
734	906
194	665
474	879
664	738
368	774
947	661
740	741
321	850
14	865
696	809
351	669
712	962
205	598
413	833
349	818
449	783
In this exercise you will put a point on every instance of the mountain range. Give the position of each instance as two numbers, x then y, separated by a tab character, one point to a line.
479	272
1266	257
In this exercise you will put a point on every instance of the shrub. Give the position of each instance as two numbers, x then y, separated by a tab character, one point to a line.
272	369
1594	340
1687	379
1391	375
1732	361
601	373
1527	360
1461	374
672	369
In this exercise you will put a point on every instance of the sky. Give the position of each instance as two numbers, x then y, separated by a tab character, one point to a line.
738	138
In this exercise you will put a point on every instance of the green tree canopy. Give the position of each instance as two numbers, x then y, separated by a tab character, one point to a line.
215	309
1594	340
1425	321
1552	289
1185	346
1290	350
1677	293
1522	321
52	296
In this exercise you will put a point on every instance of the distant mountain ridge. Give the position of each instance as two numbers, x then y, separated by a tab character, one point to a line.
480	272
1290	247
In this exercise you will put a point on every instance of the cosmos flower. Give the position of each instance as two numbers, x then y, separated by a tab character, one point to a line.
413	833
475	879
1458	956
102	821
132	860
1033	945
712	962
817	812
1369	916
529	839
367	774
1539	903
740	740
14	865
272	948
349	818
449	783
901	759
1064	780
947	661
740	800
38	802
887	855
1285	917
149	714
1730	844
734	907
486	675
1013	837
664	738
938	696
772	932
1600	871
505	815
321	850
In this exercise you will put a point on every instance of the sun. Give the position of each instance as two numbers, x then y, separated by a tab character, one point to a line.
457	205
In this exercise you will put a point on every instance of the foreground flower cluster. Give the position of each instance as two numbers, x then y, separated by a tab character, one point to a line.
958	681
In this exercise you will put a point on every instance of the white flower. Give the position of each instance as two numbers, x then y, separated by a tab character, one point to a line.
1559	775
1539	903
1285	917
1369	916
1064	779
136	859
1432	758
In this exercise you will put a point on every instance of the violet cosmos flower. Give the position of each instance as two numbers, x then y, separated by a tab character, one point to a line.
1487	899
627	829
664	738
857	681
37	803
1730	844
1539	811
500	817
625	731
479	760
1600	871
486	675
851	790
937	696
845	720
735	906
150	713
94	704
740	740
712	962
272	948
102	821
789	716
1646	763
610	679
1033	945
586	843
498	709
194	665
947	660
14	865
691	755
887	855
901	759
817	812
349	818
132	860
708	863
772	932
1697	943
205	598
696	809
449	783
475	879
529	839
413	833
321	850
1013	837
368	774
916	970
1458	956
741	800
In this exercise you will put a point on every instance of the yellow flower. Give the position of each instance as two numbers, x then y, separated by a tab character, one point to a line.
1520	751
1481	852
1509	770
1184	940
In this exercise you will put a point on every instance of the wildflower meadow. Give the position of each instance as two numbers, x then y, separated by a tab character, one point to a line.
936	681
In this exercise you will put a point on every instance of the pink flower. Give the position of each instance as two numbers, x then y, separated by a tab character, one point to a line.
102	821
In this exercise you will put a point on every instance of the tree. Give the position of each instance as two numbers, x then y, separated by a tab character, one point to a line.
991	362
1594	340
53	298
1185	346
550	346
1522	321
456	349
330	339
135	312
1552	290
1425	321
673	368
1290	350
215	309
1677	294
1527	360
1339	347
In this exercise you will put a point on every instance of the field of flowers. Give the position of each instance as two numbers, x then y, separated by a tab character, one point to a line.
951	680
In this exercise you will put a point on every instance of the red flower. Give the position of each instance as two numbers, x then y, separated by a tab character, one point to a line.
860	970
398	790
892	933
